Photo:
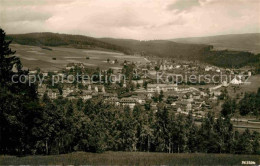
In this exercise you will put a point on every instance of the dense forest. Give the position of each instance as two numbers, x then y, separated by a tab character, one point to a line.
231	59
161	48
29	125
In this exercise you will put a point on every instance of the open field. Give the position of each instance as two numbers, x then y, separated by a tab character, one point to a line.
130	158
33	56
252	87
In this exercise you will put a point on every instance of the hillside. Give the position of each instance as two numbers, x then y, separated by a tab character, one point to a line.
158	48
56	58
55	39
161	48
241	42
226	58
187	51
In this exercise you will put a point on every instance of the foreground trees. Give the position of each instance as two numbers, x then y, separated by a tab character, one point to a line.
29	125
250	103
19	109
59	127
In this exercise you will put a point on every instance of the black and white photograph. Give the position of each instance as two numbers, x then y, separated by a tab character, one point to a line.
129	82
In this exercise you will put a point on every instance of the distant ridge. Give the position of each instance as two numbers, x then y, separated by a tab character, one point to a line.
161	48
201	49
56	39
240	42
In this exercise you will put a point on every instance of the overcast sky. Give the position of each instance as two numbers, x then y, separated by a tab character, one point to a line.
136	19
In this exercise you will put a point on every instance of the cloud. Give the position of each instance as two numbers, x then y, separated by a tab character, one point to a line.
24	15
23	3
183	4
138	19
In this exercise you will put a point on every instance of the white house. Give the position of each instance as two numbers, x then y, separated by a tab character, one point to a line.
208	68
236	81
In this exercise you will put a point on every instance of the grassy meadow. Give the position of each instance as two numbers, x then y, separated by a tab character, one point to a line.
130	158
33	57
245	88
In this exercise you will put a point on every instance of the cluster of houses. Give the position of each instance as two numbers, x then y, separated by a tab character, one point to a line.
179	98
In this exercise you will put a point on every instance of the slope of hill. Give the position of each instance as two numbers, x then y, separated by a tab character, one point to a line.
55	39
161	48
57	58
226	58
240	42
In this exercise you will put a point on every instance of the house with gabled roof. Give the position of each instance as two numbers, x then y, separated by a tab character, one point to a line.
128	101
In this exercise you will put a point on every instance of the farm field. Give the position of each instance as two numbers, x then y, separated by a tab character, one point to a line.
252	87
33	57
130	158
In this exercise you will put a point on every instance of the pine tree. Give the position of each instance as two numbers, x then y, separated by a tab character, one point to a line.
7	60
191	134
244	145
162	128
229	107
255	143
17	101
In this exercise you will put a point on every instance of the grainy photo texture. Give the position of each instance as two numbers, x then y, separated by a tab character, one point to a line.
129	82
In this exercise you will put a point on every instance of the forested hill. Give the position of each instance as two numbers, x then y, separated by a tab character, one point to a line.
190	51
161	48
239	42
55	39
